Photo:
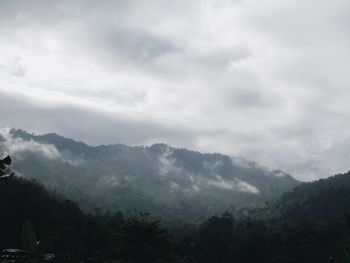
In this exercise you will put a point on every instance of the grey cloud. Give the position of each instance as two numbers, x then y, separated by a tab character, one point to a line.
131	45
264	80
84	124
113	33
248	98
223	57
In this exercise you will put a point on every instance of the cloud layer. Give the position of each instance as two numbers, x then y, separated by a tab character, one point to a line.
17	146
266	80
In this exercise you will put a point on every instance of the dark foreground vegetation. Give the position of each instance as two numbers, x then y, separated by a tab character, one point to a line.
309	224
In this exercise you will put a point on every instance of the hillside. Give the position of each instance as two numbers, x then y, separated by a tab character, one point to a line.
309	224
323	200
22	200
160	179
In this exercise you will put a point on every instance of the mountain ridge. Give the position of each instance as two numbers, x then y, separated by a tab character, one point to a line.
159	178
49	136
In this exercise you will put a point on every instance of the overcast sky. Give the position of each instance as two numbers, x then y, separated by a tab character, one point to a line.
267	80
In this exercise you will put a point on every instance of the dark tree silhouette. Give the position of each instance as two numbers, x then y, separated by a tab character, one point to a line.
143	240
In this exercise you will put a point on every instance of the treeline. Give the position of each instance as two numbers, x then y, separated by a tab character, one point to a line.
78	237
309	224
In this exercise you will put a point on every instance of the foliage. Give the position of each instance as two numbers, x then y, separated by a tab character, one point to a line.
310	224
143	241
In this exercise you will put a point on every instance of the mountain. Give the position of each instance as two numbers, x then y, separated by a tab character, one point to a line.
323	200
160	179
310	223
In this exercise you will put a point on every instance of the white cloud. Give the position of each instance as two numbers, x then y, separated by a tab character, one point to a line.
167	163
235	184
18	146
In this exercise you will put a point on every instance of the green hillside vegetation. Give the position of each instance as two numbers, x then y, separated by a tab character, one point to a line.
309	224
165	181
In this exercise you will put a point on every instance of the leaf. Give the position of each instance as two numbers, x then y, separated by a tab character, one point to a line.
29	240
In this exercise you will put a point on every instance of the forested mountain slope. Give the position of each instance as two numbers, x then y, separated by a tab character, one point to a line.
323	200
309	224
159	179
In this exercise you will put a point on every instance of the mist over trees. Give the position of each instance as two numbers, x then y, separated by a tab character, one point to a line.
310	223
165	181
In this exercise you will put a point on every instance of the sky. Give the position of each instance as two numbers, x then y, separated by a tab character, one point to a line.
266	80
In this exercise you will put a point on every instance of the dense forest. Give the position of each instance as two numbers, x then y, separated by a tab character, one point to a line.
311	223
